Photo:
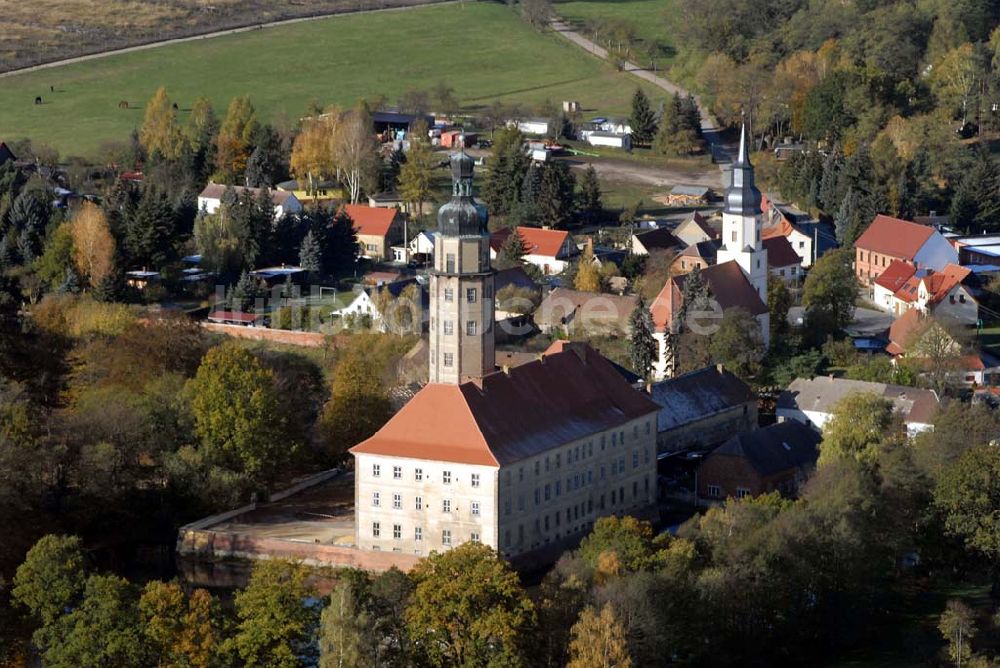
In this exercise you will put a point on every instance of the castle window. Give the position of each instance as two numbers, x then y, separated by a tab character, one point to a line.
446	506
376	470
418	533
397	531
376	529
418	474
397	472
475	479
742	492
449	294
449	263
449	359
470	295
475	508
470	328
397	501
734	236
418	503
449	327
446	477
446	537
474	537
376	499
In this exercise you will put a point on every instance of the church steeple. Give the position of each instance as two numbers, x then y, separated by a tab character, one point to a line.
461	330
742	220
742	196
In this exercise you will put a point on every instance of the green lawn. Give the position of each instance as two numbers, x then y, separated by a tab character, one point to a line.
651	20
484	51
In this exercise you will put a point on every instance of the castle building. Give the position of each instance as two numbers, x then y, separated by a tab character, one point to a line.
522	459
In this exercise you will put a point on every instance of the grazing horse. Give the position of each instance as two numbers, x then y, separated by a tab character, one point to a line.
38	99
123	104
175	106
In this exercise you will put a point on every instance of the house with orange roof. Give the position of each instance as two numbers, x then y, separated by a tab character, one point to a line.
887	239
549	250
781	221
782	260
919	337
377	229
948	293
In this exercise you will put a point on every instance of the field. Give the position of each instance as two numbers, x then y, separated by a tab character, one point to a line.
483	51
48	30
649	18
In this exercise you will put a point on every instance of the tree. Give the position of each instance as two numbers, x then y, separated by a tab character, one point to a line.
102	630
967	494
630	540
598	641
958	426
93	245
150	230
202	126
416	174
313	150
976	204
642	346
512	251
859	425
310	254
51	578
643	119
236	416
536	12
556	201
468	609
679	128
828	295
738	343
779	301
51	267
358	404
588	279
354	151
502	187
180	630
160	133
344	630
233	144
590	205
958	626
276	625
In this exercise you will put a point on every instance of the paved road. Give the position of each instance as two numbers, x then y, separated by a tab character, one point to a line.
217	33
709	127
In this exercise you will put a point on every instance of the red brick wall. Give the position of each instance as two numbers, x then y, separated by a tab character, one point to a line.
308	339
728	473
207	543
869	265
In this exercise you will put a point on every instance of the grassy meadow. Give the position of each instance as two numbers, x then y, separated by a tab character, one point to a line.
482	50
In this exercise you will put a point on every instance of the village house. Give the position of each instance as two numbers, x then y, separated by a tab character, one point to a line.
925	340
659	239
811	401
950	293
700	409
700	255
520	460
778	458
210	199
377	229
802	233
887	239
420	248
612	139
366	304
782	260
549	250
319	191
574	312
695	229
978	250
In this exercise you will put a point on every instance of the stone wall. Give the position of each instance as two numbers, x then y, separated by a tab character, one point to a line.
208	544
286	336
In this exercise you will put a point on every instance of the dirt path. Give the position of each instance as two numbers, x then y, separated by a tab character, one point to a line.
658	177
218	33
709	127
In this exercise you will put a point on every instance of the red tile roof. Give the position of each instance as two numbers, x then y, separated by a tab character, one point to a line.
505	417
903	330
894	237
369	220
726	283
940	283
536	240
780	252
895	275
